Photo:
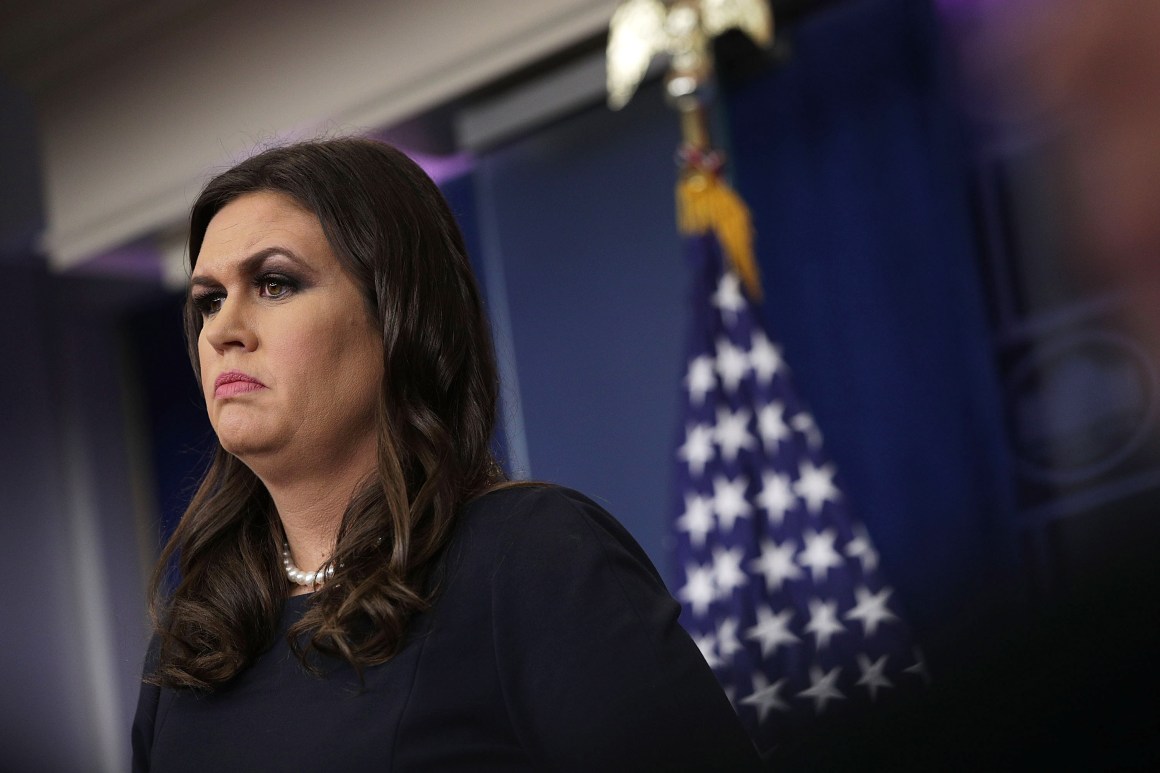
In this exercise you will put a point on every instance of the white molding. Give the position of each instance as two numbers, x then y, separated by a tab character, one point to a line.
127	144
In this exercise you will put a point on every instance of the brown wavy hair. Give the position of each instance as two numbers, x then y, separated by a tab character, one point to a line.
392	230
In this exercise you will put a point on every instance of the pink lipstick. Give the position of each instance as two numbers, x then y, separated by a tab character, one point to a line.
233	383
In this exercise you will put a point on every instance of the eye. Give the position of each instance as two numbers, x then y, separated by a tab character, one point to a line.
275	286
208	303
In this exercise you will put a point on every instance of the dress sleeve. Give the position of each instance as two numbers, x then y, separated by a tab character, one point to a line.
596	671
146	716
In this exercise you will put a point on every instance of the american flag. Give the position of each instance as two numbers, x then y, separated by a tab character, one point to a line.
779	585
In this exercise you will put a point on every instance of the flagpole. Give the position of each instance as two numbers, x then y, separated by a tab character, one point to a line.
694	124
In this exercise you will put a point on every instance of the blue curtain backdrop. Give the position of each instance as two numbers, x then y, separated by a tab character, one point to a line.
582	265
851	158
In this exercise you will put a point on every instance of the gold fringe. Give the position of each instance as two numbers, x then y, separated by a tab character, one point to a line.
705	202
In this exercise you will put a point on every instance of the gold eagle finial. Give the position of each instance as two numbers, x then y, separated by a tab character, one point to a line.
681	29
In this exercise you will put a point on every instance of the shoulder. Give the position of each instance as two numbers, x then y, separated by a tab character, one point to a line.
543	520
550	559
585	639
523	501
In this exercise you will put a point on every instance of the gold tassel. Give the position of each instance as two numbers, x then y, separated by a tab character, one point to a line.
704	202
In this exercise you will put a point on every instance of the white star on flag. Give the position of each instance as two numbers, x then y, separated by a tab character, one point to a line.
822	687
727	572
771	426
765	697
732	364
776	497
699	590
819	554
862	549
732	432
728	297
777	564
764	358
729	501
823	622
708	648
871	609
697	520
727	643
804	423
772	630
873	675
816	485
701	378
919	667
698	448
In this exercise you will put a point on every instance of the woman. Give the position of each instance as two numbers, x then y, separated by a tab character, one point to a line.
359	588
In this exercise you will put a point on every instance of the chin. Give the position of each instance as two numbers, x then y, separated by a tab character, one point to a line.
240	451
244	445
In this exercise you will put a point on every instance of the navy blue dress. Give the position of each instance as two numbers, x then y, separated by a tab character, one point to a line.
552	645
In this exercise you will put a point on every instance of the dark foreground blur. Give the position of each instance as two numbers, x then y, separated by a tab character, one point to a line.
1074	688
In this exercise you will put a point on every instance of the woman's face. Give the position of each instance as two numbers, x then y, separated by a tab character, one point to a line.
291	361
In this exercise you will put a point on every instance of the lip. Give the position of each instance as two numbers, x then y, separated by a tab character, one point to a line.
233	383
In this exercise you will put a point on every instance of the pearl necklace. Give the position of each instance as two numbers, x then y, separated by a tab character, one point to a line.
299	577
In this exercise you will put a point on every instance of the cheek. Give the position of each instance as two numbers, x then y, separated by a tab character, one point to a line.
362	361
328	354
316	359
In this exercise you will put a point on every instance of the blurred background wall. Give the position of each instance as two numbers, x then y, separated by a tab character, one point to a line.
992	416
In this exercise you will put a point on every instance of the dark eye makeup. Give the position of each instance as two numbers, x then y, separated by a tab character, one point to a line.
272	285
207	301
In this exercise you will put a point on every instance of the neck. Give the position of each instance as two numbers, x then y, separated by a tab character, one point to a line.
311	502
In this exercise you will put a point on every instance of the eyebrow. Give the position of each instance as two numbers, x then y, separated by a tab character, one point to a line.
251	265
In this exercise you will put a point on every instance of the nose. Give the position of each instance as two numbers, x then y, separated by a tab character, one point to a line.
230	327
